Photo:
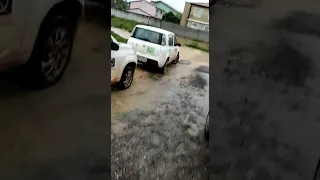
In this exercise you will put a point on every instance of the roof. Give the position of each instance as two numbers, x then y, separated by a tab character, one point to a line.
142	0
200	4
159	30
159	1
146	2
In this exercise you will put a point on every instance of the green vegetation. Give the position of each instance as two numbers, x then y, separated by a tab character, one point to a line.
124	23
198	45
170	17
118	37
119	4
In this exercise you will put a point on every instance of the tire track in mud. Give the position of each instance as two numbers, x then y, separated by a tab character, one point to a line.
166	140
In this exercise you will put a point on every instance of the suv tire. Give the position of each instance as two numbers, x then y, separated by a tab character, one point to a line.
51	53
206	128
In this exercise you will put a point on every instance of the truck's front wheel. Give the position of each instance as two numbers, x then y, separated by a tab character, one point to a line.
51	53
126	78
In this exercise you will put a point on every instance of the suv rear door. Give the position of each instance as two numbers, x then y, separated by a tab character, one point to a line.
12	14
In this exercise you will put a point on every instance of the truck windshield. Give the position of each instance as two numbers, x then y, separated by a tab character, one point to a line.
147	35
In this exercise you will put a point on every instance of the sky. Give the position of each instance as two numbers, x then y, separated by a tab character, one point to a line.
179	4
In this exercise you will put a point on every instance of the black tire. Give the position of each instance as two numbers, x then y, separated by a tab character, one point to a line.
206	128
33	72
123	83
164	68
176	60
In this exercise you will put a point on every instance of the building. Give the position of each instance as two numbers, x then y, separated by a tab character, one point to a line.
196	16
166	8
145	8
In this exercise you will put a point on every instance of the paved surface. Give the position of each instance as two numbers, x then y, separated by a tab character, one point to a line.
264	104
61	132
157	124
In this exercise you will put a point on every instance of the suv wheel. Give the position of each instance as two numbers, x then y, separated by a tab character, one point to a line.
126	78
51	53
206	128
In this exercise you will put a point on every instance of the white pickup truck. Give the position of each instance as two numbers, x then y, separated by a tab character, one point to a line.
37	35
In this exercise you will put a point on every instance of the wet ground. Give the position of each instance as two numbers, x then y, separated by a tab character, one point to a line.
264	104
157	124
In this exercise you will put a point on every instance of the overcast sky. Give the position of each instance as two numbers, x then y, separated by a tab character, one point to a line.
179	4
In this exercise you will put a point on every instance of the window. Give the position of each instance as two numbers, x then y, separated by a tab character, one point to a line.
206	28
197	12
175	40
194	25
164	40
147	35
171	40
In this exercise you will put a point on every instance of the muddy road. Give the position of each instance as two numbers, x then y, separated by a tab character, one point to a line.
157	124
265	99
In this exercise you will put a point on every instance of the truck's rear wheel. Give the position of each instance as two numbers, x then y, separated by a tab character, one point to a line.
51	53
163	70
176	60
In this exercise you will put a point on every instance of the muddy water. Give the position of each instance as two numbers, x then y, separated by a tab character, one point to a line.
157	124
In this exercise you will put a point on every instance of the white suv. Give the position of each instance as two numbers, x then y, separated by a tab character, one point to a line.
38	34
155	46
123	64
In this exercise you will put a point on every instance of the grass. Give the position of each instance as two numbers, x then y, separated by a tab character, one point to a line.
197	45
124	23
118	37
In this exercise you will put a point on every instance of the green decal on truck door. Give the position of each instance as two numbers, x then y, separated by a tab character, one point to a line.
150	50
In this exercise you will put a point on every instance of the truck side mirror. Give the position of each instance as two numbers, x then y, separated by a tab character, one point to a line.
114	46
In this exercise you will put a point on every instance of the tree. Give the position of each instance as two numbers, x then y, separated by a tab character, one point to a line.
170	17
119	4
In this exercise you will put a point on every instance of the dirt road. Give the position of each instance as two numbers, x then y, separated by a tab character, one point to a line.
157	124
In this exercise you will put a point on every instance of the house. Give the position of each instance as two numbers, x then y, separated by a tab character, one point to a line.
166	8
145	8
196	16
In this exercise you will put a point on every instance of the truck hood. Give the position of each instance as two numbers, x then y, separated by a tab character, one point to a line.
125	46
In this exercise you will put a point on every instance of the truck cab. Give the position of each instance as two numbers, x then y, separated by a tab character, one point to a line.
37	36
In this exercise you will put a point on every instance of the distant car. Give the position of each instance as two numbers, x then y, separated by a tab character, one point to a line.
123	64
155	46
206	128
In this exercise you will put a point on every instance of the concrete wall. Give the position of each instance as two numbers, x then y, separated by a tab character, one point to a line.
265	99
175	28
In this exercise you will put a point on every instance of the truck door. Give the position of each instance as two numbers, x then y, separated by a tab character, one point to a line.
12	14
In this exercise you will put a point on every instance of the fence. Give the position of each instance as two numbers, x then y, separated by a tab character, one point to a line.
175	28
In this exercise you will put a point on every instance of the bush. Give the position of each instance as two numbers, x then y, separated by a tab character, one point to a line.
170	17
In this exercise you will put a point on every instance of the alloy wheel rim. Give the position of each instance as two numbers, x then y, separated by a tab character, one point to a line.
128	78
57	51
